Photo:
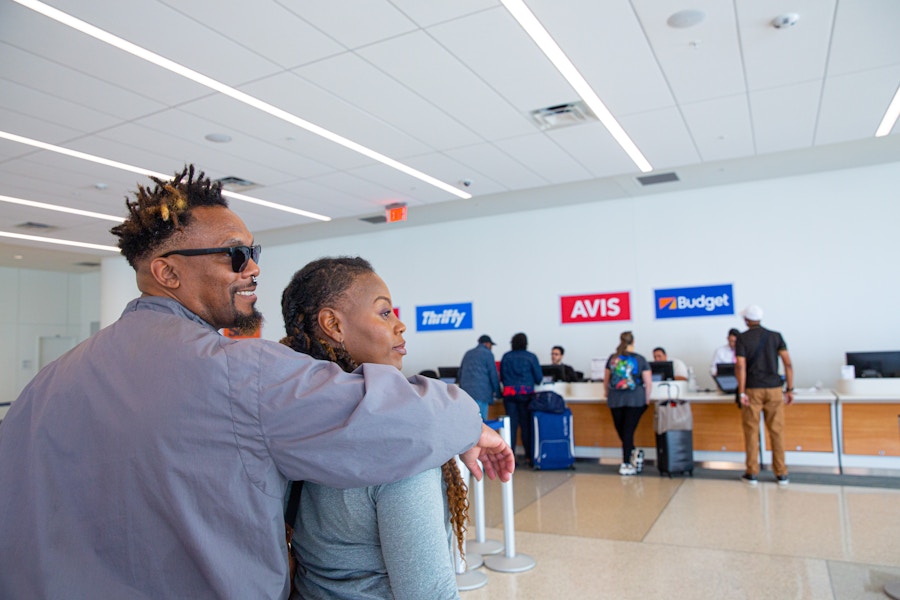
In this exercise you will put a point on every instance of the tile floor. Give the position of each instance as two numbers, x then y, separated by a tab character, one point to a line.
595	534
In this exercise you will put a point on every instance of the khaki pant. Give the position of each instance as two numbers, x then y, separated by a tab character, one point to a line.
771	402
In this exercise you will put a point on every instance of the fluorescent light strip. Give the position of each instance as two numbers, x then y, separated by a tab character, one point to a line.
36	238
551	49
220	87
890	116
141	171
74	211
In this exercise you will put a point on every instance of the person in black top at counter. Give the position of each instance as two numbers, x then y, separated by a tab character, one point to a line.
567	373
759	389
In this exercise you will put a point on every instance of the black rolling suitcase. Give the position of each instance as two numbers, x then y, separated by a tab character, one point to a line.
673	423
675	452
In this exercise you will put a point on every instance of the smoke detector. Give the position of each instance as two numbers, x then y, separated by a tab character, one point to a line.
785	21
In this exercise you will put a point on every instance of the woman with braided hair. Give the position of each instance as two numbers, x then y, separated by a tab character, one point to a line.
382	541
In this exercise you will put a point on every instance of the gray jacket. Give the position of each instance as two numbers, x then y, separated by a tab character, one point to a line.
151	461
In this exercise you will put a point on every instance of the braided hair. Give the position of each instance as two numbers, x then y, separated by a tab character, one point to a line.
326	281
160	212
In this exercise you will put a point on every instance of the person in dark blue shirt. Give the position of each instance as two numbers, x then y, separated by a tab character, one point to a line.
520	371
478	374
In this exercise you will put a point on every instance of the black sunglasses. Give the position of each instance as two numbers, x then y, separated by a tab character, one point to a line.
240	255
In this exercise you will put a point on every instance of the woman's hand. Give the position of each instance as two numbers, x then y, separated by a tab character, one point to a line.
495	455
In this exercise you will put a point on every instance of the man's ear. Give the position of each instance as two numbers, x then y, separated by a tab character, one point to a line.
330	324
164	273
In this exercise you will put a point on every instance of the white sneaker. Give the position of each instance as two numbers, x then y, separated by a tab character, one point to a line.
626	469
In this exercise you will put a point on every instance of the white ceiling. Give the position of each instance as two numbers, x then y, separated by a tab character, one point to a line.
445	86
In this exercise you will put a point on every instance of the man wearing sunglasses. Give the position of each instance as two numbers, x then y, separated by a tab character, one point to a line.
152	460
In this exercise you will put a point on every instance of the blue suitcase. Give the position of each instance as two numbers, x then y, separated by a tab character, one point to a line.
554	444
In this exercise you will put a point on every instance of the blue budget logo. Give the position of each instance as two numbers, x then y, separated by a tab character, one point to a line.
444	316
694	301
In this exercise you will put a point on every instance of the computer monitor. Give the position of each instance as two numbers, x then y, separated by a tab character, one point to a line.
448	374
662	370
552	373
875	364
725	369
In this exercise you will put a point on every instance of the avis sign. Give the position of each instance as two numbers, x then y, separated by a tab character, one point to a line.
694	301
596	308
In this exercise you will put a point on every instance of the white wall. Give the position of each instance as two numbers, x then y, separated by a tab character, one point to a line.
817	252
37	303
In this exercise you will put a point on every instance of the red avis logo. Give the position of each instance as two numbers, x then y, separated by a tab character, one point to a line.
596	307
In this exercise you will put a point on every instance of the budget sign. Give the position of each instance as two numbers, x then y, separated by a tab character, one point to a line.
694	301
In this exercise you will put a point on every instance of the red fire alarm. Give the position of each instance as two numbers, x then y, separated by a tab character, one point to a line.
395	212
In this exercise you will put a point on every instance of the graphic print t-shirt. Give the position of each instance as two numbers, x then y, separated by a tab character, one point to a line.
626	384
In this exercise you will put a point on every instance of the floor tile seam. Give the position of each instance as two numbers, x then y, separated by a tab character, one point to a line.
739	551
662	509
669	545
863	564
825	559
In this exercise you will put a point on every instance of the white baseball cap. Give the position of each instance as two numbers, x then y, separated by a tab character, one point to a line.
752	313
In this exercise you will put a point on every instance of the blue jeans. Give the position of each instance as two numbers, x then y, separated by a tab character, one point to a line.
519	418
483	407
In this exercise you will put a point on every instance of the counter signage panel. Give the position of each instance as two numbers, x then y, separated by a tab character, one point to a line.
440	317
703	301
592	308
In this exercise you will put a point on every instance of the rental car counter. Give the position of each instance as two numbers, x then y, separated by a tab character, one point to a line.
810	433
868	415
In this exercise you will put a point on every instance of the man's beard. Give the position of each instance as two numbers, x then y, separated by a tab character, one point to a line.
248	324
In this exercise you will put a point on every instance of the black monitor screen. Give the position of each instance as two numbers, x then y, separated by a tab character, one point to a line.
552	373
875	364
448	372
725	369
662	370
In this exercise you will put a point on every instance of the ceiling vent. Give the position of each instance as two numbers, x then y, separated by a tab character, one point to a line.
375	220
87	264
236	184
33	226
563	115
658	178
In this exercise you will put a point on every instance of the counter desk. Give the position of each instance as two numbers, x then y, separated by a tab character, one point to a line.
811	438
868	418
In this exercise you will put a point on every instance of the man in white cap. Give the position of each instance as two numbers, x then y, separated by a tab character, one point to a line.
760	389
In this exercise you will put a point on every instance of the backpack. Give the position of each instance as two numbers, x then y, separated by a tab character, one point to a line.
623	372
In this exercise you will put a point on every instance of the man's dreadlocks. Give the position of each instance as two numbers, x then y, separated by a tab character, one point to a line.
157	214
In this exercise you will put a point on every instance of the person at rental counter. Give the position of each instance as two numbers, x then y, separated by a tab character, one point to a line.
760	390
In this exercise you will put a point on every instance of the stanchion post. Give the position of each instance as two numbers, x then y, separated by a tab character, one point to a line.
509	561
480	544
466	577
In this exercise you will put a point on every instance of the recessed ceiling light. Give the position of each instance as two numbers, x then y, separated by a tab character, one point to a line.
686	18
219	138
101	186
18	256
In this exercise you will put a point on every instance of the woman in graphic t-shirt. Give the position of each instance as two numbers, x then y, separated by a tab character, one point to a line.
627	381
